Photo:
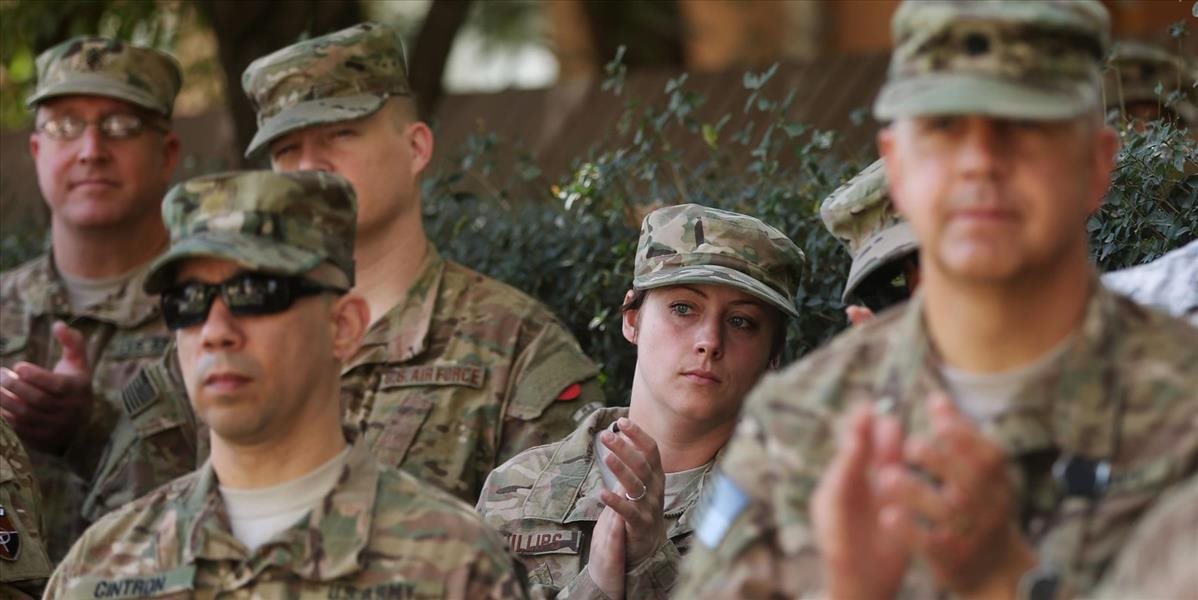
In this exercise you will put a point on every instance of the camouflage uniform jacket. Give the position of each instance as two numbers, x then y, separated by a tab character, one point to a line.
1125	393
379	533
546	502
24	565
122	335
462	374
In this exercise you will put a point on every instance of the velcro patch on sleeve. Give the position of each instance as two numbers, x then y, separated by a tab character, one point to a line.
721	506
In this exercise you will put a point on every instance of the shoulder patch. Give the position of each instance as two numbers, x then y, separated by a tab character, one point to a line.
720	507
10	538
139	394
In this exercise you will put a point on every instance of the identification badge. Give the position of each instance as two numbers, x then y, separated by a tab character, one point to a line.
139	347
545	541
444	374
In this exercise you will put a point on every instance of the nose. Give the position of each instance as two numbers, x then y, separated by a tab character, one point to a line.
313	158
221	330
709	339
982	152
92	146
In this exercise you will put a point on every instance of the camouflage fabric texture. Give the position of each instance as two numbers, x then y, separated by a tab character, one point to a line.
1136	70
1158	561
379	533
24	565
461	375
694	244
1125	393
545	501
122	335
1169	283
1025	60
340	76
278	222
107	67
861	215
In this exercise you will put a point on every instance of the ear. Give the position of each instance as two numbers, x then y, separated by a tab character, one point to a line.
350	318
34	145
1105	147
629	318
170	155
420	141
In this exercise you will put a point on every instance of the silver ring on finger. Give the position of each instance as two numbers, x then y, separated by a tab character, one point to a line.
644	489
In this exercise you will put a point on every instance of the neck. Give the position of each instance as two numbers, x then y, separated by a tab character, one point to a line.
683	443
312	442
994	328
101	253
388	261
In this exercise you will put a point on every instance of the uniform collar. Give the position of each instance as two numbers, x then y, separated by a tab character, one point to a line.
1048	409
567	488
325	546
402	333
44	293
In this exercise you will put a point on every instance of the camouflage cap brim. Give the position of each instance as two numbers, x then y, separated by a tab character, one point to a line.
97	85
259	254
879	249
966	93
717	275
314	112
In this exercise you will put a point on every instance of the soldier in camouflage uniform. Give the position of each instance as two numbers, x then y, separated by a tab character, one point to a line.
24	565
711	293
458	372
1134	74
255	286
1001	434
74	323
885	267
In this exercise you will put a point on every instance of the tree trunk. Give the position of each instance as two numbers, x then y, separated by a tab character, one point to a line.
426	64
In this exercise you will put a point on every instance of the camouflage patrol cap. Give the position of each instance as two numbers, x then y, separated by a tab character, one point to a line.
860	215
1135	70
1024	60
341	76
694	244
106	67
278	222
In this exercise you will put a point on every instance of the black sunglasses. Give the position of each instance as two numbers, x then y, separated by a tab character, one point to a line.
248	293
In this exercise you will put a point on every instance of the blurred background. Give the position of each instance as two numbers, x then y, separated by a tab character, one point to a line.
526	70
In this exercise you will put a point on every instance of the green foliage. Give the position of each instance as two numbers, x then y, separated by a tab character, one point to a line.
1152	206
572	243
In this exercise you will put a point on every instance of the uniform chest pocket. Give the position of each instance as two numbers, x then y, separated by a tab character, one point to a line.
400	425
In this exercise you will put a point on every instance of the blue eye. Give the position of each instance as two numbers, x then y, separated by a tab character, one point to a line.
680	308
742	323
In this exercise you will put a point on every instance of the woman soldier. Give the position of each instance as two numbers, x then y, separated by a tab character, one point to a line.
607	512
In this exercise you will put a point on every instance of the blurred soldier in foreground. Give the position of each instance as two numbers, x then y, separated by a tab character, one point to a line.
610	508
1169	283
255	287
1002	433
458	372
24	565
885	268
75	324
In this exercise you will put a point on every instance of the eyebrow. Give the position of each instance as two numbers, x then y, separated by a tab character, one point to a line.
749	301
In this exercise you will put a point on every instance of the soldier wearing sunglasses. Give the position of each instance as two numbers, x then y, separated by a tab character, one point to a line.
255	287
75	324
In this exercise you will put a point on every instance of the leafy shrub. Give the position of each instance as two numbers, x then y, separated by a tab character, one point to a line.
572	243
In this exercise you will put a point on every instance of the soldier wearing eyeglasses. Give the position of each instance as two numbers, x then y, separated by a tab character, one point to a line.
75	324
255	287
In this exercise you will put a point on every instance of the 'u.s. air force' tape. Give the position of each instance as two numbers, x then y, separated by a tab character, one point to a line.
721	506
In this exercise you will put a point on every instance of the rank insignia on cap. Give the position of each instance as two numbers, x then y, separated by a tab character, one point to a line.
10	538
